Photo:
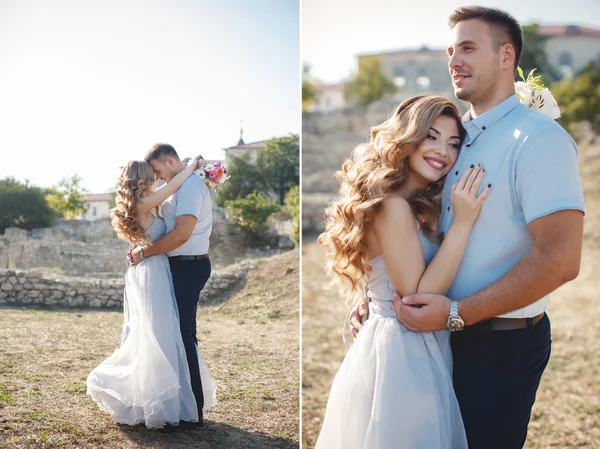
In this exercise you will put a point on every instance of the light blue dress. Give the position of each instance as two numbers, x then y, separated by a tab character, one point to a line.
394	388
147	379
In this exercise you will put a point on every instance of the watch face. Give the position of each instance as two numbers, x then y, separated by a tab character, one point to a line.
455	324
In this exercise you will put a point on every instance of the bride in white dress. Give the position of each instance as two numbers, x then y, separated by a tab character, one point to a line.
146	380
394	388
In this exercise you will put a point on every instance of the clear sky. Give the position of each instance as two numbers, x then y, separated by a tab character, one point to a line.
334	31
88	85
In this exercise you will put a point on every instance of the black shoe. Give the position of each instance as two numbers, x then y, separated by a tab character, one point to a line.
191	425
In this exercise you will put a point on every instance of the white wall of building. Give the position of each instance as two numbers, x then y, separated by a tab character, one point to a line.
96	210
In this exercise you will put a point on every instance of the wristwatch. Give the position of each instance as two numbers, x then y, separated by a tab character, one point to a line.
455	322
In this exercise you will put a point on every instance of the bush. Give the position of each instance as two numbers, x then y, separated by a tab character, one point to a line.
23	206
249	216
292	203
579	98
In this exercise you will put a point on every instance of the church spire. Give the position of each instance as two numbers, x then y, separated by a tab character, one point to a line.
241	142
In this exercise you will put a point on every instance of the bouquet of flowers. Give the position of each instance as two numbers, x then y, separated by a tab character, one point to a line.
534	95
214	175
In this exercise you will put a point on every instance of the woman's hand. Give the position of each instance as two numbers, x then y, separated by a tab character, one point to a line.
465	202
193	165
201	163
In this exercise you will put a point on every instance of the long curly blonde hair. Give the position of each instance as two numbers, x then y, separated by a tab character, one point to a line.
135	178
374	170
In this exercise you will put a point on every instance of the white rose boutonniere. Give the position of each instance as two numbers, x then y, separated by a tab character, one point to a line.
534	95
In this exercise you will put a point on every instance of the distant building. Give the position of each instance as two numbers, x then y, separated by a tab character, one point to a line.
98	206
242	148
425	70
570	47
329	97
416	71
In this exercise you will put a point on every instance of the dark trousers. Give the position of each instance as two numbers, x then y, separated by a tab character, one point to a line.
496	376
189	278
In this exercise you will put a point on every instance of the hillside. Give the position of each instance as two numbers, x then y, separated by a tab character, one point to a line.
249	339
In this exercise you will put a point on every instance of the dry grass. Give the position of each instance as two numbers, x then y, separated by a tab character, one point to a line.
250	342
567	410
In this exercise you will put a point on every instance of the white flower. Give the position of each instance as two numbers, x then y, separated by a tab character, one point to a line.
201	173
209	167
543	101
525	92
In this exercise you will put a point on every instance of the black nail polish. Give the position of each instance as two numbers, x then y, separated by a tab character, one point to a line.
489	185
456	172
479	165
472	166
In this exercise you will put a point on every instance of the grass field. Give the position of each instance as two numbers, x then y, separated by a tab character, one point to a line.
567	410
249	339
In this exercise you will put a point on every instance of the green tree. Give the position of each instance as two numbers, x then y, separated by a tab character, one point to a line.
249	216
23	206
66	198
279	165
292	204
534	55
579	97
369	84
244	179
309	91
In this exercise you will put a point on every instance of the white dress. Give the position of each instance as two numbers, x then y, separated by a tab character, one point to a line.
394	388
147	379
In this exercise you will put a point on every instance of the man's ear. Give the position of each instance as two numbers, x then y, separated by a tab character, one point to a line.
169	161
508	55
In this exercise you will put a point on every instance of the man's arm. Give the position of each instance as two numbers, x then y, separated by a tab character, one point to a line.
554	260
184	226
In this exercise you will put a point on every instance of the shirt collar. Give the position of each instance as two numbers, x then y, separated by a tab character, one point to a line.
475	126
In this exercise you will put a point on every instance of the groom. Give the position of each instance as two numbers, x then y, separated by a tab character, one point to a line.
525	244
188	217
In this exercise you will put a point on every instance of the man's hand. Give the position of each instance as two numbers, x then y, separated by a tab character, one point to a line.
359	312
136	255
422	312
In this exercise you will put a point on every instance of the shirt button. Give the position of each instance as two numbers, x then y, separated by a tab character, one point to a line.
483	127
468	145
448	208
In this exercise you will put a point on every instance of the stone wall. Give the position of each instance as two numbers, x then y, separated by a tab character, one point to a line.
91	248
327	140
36	287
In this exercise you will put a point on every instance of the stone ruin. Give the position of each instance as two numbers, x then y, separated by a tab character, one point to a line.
81	263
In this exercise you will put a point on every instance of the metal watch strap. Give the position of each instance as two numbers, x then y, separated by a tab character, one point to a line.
454	308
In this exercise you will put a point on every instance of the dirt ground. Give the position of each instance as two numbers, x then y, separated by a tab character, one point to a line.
249	339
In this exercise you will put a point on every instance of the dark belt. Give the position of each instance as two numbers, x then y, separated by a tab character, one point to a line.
201	256
505	324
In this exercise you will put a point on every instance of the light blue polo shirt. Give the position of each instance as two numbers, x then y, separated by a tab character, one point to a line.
192	198
531	162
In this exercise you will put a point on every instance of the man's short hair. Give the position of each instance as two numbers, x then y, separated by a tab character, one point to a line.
504	26
160	150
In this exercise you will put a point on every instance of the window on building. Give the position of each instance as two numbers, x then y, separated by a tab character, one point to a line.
398	77
423	82
94	211
400	81
565	64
